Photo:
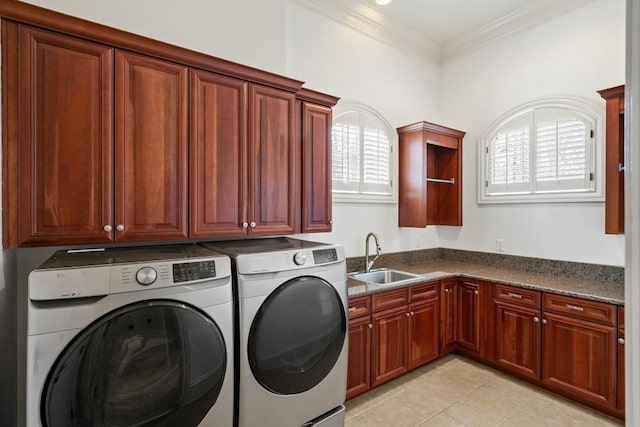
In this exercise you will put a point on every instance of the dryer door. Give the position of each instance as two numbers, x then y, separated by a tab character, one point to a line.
159	363
297	335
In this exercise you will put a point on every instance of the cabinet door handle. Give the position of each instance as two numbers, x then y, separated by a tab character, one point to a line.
536	319
331	222
476	292
446	290
353	308
107	228
407	314
120	227
544	321
412	313
574	307
621	340
512	295
370	326
252	224
245	224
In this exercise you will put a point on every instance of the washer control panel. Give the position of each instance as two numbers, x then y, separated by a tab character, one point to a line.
188	271
146	276
299	258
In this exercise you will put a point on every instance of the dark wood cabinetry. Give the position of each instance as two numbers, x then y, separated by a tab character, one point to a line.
468	316
517	326
218	155
614	153
423	324
390	344
151	148
137	140
448	308
58	91
360	327
579	349
316	114
430	175
621	369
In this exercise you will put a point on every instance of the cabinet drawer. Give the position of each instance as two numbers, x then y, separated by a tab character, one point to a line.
580	308
359	306
621	317
423	292
519	296
390	299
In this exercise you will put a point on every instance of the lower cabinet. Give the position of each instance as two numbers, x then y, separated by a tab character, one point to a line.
621	381
359	373
517	326
391	333
570	345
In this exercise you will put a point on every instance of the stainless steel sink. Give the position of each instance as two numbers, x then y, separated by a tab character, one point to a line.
387	276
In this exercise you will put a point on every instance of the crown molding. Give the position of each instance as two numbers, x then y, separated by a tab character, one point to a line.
534	13
359	16
368	21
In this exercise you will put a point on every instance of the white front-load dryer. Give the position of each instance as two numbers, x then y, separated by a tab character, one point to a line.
292	332
131	337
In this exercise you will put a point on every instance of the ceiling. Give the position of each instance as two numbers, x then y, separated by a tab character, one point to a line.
440	30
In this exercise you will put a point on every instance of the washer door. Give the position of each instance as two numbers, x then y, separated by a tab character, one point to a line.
297	335
159	363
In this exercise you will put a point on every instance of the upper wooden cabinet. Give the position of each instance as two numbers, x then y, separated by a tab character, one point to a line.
58	110
101	144
151	149
614	150
316	115
218	154
274	162
430	175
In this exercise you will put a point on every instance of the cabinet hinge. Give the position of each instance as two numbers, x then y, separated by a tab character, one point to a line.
486	184
487	150
591	176
592	133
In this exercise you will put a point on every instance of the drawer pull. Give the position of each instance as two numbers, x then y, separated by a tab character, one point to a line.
574	307
352	309
512	295
621	340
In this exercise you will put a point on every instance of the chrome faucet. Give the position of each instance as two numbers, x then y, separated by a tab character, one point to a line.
367	264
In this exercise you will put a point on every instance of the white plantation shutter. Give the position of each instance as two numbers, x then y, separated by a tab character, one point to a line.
361	155
542	150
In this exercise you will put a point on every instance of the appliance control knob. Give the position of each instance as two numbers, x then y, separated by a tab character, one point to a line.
299	258
146	276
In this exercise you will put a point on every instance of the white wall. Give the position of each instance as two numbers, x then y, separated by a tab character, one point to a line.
575	54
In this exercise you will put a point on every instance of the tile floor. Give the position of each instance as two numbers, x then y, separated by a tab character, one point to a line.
458	392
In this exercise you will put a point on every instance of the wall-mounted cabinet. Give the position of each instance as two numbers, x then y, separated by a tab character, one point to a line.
430	175
614	150
124	139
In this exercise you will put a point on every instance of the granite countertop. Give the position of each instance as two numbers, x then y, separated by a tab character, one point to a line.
440	269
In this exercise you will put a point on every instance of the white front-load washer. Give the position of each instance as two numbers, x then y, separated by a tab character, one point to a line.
292	331
131	337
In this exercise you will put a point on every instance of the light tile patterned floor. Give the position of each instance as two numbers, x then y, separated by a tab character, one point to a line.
458	392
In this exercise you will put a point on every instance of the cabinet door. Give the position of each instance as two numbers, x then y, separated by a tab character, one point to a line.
579	358
274	162
518	339
316	168
468	316
218	186
448	308
151	148
359	371
423	333
62	89
621	380
390	346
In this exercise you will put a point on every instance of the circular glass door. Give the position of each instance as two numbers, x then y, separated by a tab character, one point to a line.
297	335
159	363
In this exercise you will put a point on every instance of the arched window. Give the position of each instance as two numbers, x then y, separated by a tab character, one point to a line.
546	150
362	148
